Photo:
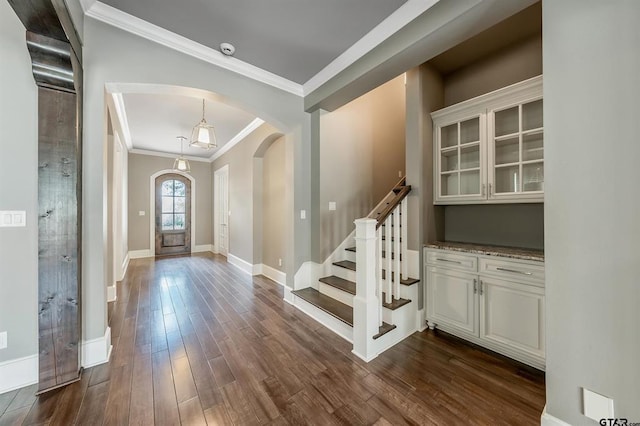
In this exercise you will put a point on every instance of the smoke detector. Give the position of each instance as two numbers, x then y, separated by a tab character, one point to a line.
227	49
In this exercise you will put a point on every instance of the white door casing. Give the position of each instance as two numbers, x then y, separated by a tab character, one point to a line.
221	210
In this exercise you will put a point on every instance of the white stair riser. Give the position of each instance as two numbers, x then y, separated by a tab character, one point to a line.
344	273
336	293
349	255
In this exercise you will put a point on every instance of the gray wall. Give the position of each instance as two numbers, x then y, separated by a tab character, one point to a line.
245	192
514	225
19	191
362	148
592	204
517	225
273	202
141	167
515	63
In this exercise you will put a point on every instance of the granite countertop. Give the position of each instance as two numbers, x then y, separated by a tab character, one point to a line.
487	250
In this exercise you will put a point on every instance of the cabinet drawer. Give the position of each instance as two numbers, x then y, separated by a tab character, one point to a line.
448	259
514	271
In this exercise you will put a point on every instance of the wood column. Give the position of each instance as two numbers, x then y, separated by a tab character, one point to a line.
56	64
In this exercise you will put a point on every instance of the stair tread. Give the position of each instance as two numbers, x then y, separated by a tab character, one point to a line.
331	306
395	303
346	264
408	281
384	329
340	283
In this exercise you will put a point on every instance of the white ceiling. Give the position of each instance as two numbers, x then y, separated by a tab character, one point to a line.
154	121
294	39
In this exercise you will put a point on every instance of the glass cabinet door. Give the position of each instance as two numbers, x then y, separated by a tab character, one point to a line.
459	159
517	150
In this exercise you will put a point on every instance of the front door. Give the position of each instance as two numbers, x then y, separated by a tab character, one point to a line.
173	214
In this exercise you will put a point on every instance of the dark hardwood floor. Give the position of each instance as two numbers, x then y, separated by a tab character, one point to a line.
196	341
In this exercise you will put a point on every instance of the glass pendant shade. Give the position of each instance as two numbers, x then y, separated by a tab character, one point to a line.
203	135
181	164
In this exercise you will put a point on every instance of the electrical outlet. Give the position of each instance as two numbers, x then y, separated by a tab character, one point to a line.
3	340
597	406
332	205
279	262
141	213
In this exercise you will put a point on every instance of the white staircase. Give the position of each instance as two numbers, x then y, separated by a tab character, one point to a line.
356	297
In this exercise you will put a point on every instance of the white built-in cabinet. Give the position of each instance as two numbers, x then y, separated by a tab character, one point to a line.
489	149
494	302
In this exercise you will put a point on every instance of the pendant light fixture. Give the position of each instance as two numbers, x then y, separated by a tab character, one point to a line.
181	164
203	135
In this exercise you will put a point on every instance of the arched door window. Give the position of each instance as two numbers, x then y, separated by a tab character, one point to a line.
173	214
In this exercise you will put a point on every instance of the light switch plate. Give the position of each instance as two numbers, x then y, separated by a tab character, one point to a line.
3	340
13	219
141	213
332	205
597	406
303	214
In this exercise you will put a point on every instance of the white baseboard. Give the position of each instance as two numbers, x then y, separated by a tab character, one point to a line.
272	273
139	254
112	293
243	265
18	373
548	420
202	248
288	295
125	266
422	320
97	351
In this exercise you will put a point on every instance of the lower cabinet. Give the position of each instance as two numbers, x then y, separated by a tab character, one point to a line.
500	307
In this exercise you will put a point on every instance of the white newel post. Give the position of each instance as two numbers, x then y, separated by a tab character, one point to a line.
365	302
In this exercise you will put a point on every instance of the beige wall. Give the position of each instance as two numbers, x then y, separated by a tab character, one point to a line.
141	167
362	148
273	205
245	225
518	62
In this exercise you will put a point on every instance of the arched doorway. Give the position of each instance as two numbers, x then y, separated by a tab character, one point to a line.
172	214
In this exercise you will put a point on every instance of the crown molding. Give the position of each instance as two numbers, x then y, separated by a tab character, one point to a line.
167	155
237	138
385	29
112	16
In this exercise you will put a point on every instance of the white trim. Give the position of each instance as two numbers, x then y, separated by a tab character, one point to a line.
273	274
288	295
152	207
243	265
18	373
548	420
140	254
124	21
97	351
112	293
385	29
307	275
413	263
220	192
332	323
257	122
422	320
166	155
125	265
86	4
121	113
364	358
202	248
